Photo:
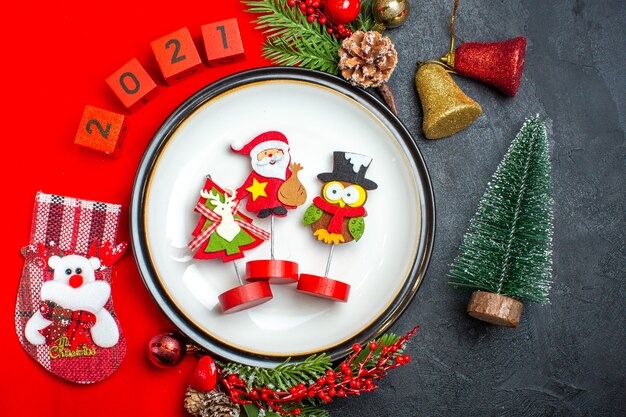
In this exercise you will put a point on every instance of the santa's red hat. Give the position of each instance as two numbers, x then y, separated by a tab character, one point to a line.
263	141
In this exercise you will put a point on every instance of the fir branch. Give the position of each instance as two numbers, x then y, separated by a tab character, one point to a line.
292	39
305	411
508	247
353	377
283	376
365	21
298	52
311	411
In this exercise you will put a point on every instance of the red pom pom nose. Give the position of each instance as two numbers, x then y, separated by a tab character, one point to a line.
76	281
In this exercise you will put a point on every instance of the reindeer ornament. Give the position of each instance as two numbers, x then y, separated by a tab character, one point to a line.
224	232
228	227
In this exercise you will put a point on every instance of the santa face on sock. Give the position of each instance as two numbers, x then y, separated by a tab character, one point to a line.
270	159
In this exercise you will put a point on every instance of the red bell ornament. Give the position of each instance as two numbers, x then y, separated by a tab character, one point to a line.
497	63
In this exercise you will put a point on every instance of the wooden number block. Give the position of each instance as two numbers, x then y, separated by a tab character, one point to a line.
222	42
132	85
101	130
176	55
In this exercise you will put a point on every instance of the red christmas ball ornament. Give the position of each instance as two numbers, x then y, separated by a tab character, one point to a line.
341	11
204	377
167	349
497	63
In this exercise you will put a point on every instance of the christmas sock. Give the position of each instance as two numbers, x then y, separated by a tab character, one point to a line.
64	312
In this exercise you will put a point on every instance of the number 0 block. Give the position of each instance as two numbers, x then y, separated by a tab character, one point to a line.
176	55
132	85
222	42
101	130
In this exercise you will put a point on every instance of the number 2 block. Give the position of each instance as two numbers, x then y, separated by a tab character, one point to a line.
222	42
176	55
132	85
101	130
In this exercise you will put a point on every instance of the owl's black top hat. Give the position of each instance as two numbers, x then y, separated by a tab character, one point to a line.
350	167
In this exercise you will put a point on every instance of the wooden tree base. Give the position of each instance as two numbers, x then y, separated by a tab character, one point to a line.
495	308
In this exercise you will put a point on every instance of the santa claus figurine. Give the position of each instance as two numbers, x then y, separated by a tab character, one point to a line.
270	188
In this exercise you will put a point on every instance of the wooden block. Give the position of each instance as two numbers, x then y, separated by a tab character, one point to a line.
495	308
132	85
101	130
222	42
176	55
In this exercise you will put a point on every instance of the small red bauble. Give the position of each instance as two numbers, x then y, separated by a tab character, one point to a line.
341	11
204	377
167	349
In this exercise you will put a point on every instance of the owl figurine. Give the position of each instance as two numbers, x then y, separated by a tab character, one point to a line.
337	216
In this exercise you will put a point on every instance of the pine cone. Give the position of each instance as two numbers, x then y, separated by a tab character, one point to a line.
210	404
367	59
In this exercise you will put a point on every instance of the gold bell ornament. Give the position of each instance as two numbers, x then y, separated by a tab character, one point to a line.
446	109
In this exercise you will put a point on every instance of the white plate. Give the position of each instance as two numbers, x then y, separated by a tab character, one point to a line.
319	114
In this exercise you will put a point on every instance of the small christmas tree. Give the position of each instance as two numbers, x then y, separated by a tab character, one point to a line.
506	254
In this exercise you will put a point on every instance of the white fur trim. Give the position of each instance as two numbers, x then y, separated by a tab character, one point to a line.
237	145
105	332
95	262
54	261
91	297
278	144
34	324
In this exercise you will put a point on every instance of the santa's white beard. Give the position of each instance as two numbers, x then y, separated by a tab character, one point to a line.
274	167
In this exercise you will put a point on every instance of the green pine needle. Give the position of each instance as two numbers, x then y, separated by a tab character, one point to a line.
365	21
300	53
283	376
287	375
292	39
305	411
508	247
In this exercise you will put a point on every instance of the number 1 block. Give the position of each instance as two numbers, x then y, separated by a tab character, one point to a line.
132	85
101	130
222	42
176	55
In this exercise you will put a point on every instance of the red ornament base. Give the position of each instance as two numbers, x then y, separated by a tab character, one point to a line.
323	287
245	296
273	271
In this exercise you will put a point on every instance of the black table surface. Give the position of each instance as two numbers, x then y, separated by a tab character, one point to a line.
567	358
